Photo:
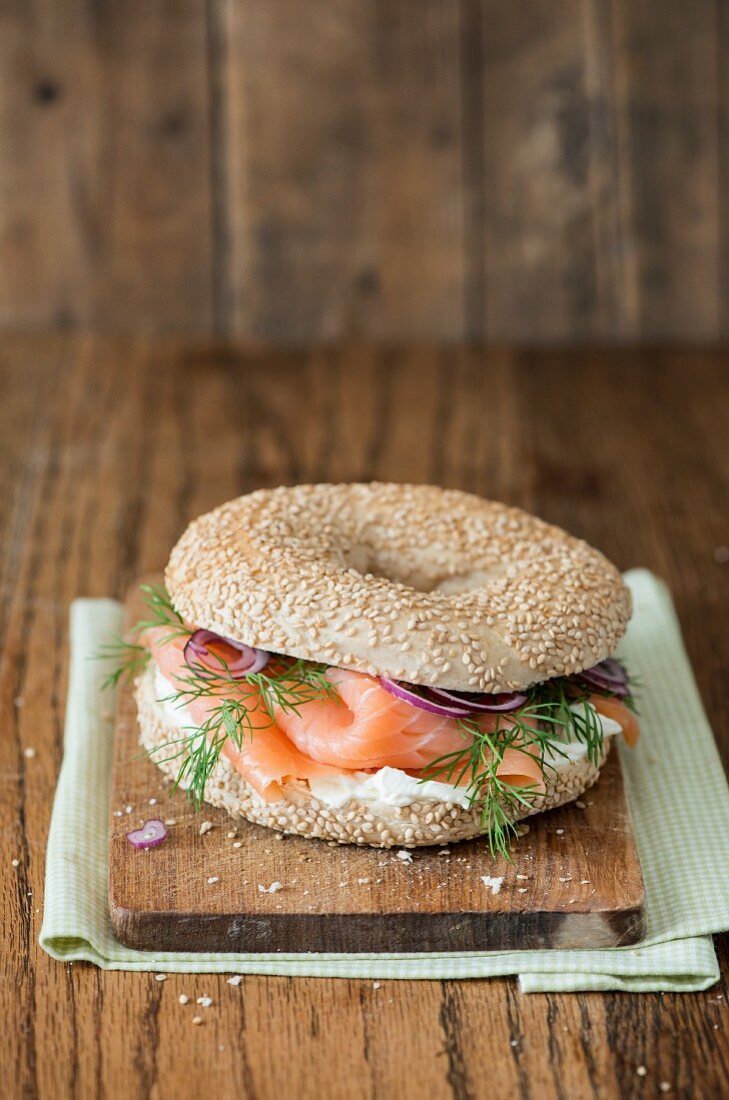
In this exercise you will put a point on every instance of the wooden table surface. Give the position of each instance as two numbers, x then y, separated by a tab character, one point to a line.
107	450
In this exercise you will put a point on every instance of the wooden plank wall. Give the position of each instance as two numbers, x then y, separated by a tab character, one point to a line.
540	171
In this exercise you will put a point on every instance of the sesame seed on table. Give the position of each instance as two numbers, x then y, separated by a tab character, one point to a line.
109	449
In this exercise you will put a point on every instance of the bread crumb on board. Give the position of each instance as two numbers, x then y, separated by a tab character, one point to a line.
493	882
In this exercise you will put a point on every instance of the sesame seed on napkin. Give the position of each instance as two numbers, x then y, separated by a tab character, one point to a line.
676	788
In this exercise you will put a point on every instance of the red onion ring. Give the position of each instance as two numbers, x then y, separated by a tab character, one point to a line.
150	835
608	676
410	695
598	682
612	670
244	660
491	704
450	704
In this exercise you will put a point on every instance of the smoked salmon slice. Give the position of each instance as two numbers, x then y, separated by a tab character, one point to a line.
615	709
521	769
369	728
374	730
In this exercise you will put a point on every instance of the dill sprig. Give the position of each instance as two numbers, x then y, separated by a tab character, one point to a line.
131	657
129	660
200	748
555	712
285	684
162	612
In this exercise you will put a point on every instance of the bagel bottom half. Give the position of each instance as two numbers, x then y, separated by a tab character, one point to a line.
365	823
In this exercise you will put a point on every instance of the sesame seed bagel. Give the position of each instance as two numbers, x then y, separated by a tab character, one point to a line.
412	582
377	824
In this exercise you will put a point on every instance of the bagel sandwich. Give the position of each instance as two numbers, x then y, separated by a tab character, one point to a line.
382	664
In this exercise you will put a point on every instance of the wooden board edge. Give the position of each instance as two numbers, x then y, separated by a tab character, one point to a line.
345	933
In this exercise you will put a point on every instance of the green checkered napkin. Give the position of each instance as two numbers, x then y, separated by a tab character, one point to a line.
678	796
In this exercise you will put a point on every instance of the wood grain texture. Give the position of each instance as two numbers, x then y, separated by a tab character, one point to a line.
548	171
107	449
154	189
342	128
539	147
667	106
580	884
105	181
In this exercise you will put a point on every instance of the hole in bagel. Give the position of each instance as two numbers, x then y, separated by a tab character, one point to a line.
364	560
421	575
467	582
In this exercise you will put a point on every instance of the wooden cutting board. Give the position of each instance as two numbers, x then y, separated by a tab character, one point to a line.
575	880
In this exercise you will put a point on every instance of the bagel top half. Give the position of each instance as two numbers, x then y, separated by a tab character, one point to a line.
411	582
